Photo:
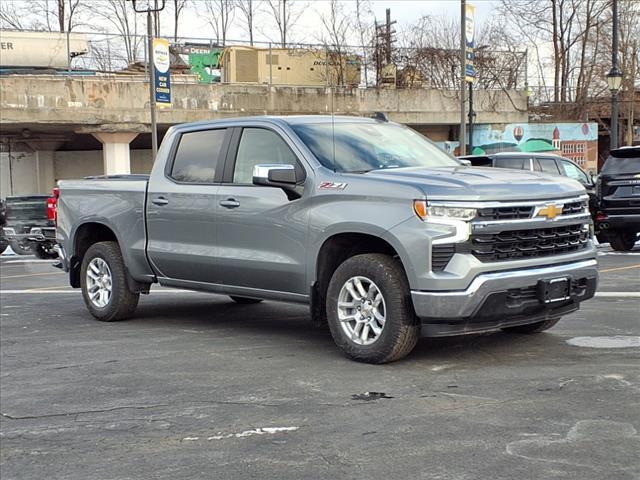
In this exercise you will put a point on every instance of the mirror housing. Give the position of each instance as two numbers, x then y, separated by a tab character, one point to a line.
275	175
465	162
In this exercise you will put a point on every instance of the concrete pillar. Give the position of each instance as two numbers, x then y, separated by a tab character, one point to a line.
115	151
44	152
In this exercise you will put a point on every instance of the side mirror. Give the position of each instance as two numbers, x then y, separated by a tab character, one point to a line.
465	162
276	175
593	177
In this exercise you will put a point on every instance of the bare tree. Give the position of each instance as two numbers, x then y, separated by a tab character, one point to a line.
285	14
219	15
248	10
12	16
119	15
364	24
336	26
46	15
178	7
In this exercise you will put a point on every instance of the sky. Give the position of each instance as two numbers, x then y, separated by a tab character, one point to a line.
308	27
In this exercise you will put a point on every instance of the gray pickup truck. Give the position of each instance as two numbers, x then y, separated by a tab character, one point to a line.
383	235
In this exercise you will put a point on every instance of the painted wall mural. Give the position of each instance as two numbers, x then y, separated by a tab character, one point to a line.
575	141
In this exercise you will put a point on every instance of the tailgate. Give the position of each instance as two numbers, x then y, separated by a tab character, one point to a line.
27	210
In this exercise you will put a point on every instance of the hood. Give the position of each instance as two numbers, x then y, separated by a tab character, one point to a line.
474	183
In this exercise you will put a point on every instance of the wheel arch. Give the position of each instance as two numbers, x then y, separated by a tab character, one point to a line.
85	235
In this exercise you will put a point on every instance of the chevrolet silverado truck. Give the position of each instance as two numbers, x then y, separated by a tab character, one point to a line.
383	235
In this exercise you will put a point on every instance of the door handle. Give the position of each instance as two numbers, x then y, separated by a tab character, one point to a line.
160	201
229	203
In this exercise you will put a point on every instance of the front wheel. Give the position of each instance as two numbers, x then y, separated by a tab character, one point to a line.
369	309
622	241
104	283
532	327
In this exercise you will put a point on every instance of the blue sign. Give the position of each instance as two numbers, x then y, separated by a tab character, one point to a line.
161	66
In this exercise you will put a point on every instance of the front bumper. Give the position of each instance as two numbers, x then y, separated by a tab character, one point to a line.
500	299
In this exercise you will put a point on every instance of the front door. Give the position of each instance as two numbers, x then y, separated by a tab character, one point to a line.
181	207
261	231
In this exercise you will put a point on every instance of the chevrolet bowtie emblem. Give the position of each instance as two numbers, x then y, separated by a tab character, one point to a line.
550	211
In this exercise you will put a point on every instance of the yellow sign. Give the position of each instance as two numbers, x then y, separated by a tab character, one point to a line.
551	211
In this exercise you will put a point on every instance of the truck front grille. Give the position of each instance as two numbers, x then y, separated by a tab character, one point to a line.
539	242
505	213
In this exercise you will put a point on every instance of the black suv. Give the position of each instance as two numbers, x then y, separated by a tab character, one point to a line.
618	190
539	162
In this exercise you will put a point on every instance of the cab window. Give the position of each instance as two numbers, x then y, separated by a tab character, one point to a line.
547	165
258	146
197	156
573	171
517	163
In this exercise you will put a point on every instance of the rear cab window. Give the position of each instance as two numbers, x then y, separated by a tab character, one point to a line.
510	162
198	156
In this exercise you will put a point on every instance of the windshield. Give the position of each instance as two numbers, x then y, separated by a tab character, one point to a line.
362	147
615	165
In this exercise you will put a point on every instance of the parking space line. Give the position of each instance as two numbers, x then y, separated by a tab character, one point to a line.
617	269
32	275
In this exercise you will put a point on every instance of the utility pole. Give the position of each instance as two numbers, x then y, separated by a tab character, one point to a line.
284	23
632	99
463	62
383	48
152	73
472	115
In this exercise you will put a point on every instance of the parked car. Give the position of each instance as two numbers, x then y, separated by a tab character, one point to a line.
29	228
381	233
540	162
4	243
618	187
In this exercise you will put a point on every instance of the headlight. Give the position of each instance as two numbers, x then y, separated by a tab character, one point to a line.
426	211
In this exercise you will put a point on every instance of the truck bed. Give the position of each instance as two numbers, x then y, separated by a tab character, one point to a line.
116	201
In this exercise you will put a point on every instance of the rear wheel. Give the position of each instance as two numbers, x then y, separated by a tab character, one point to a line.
533	327
369	309
622	241
244	300
3	245
104	283
21	248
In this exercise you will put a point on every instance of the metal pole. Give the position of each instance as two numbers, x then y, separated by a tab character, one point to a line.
270	65
463	61
614	62
631	112
152	82
68	54
471	114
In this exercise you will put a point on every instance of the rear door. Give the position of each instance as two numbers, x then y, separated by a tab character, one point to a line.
261	230
181	207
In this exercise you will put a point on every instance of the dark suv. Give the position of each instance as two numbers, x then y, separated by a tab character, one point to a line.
539	162
618	188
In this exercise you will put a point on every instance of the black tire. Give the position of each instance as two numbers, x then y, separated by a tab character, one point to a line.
244	300
44	252
20	248
532	327
3	246
622	241
401	328
123	302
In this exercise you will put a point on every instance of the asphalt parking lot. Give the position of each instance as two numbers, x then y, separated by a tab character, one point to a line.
199	387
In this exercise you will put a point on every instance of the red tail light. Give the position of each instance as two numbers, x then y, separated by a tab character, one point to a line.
52	203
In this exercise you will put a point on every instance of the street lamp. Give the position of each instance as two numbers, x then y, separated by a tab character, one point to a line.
614	77
149	7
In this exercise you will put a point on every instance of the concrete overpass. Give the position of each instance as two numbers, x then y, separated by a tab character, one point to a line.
60	126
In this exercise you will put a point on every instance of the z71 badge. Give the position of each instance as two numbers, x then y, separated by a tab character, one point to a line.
332	186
